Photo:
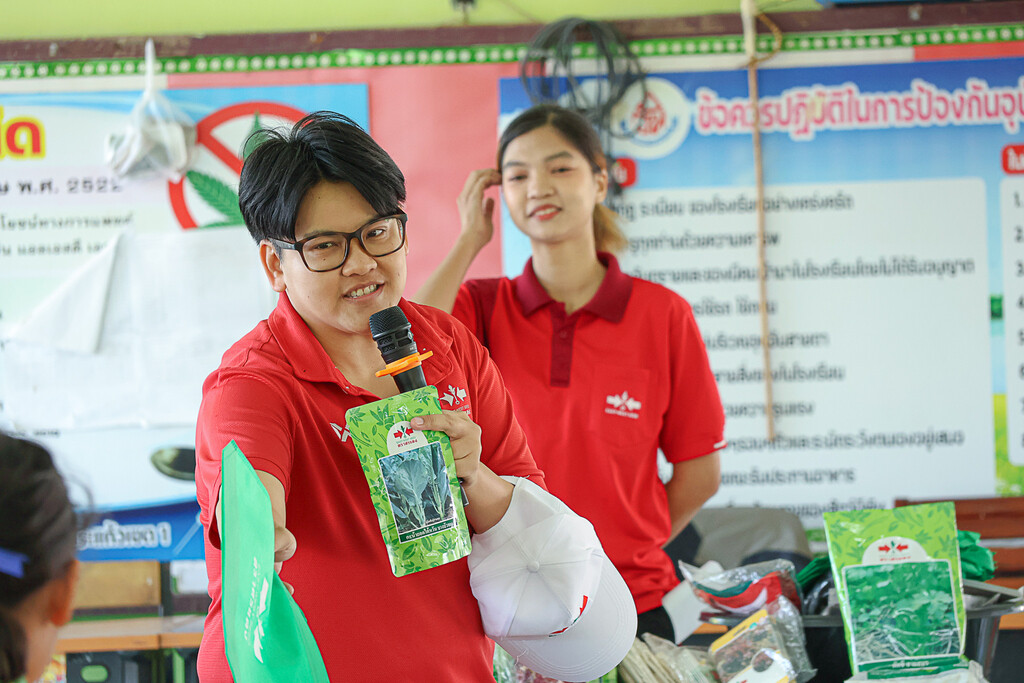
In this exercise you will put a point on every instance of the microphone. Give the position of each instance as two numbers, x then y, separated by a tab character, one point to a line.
393	334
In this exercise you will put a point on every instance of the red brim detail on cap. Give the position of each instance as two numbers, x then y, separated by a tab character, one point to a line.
582	607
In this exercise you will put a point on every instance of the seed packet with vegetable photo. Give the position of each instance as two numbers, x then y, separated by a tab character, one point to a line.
753	650
897	576
412	481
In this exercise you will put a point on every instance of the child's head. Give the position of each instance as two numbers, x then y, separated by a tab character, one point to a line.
38	569
578	132
323	146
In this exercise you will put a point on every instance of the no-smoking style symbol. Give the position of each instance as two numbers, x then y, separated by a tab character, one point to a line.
207	196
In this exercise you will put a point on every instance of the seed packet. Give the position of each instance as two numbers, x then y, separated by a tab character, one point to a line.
412	481
897	575
754	650
769	646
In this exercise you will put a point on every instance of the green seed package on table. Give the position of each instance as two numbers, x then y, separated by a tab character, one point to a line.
412	481
897	575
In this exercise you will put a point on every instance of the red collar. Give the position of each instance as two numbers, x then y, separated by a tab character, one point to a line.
310	361
609	302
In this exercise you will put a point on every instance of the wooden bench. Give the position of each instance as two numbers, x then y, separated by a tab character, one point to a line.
1000	522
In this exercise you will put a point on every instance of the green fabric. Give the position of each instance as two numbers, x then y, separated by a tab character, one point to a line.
814	570
266	637
976	561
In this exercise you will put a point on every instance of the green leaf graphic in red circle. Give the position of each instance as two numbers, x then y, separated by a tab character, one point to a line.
212	190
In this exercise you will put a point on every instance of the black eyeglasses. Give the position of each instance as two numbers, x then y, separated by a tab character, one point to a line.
328	250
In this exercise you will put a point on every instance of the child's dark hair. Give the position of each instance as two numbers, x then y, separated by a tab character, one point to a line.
580	134
283	166
38	528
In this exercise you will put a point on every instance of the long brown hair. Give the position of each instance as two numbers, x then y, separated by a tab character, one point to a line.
581	135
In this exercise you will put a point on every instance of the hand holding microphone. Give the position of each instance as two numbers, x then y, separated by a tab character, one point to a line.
393	334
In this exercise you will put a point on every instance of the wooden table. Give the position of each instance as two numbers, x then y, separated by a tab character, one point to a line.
136	633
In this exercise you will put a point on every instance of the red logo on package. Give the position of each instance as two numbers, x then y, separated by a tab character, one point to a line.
1013	159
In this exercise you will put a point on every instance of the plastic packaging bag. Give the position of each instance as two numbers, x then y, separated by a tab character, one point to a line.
767	647
160	138
642	666
688	664
412	481
897	575
746	589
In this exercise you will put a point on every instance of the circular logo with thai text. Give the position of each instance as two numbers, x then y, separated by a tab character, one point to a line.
651	124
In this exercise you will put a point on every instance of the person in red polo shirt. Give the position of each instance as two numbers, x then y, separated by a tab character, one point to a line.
324	203
604	369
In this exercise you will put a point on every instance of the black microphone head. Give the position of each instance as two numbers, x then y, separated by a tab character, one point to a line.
393	334
387	320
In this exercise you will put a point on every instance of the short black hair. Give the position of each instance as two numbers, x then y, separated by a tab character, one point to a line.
284	165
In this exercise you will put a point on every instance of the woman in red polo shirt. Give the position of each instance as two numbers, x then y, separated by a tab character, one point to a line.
604	369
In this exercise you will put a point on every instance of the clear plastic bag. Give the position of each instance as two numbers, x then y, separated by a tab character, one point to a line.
746	589
159	140
769	642
641	665
688	664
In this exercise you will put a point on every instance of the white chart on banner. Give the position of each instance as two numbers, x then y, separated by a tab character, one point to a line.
879	330
1011	207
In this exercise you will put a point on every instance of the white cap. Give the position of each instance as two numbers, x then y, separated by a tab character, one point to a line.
548	594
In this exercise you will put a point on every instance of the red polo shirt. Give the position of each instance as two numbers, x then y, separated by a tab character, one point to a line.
279	396
598	393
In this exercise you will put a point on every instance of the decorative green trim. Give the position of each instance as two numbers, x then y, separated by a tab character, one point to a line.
266	62
495	54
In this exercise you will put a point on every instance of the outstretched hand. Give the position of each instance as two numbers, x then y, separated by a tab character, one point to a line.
476	212
284	548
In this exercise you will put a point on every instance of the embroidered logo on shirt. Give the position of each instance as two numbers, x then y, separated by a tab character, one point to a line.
623	405
342	432
454	396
